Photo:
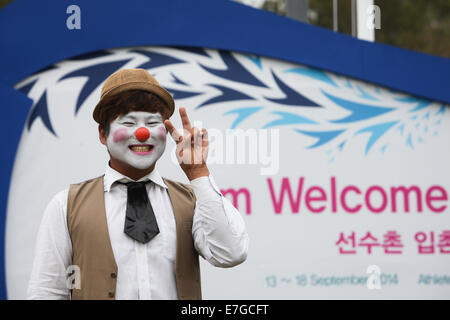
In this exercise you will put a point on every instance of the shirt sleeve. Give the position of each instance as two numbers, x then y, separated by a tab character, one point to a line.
52	255
218	229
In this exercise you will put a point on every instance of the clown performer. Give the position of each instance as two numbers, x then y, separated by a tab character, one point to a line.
130	233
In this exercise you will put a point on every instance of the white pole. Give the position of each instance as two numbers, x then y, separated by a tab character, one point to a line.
297	9
354	28
366	17
335	15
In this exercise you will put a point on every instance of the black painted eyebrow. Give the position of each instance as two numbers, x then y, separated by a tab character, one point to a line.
153	116
127	116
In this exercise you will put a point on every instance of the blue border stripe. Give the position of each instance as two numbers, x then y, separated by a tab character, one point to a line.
19	104
38	42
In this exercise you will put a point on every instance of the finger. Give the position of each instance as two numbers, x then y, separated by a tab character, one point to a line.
197	134
173	132
187	148
205	144
185	119
169	126
205	137
197	146
186	139
196	137
179	152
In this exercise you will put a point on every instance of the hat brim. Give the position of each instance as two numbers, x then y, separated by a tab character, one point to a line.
158	90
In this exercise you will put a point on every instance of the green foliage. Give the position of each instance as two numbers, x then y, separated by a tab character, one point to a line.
420	25
275	6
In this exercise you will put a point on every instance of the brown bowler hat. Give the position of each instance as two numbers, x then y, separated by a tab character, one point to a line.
131	79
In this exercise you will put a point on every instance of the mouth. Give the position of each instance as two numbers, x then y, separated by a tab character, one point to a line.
141	149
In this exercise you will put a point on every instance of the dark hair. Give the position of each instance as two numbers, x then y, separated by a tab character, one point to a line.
132	100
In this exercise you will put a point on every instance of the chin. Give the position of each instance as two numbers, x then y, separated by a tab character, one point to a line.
139	164
142	167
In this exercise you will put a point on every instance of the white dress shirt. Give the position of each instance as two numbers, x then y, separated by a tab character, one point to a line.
145	271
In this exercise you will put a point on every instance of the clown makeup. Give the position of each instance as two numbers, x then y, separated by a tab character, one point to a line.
137	138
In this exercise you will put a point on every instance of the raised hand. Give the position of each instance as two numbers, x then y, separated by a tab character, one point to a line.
192	147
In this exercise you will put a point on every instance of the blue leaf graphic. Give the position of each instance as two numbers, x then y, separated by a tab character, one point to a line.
348	83
342	144
409	141
156	59
255	59
323	136
292	97
315	74
420	102
234	71
243	113
376	131
180	94
441	110
401	128
288	118
40	110
96	74
27	88
177	80
228	94
364	94
359	111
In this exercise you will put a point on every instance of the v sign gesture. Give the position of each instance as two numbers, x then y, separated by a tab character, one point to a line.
192	147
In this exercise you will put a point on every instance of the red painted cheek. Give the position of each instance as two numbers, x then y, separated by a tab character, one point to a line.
120	135
162	133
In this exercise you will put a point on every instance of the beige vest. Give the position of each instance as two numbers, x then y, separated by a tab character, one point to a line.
91	246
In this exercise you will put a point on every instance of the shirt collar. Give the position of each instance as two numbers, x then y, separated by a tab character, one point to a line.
112	176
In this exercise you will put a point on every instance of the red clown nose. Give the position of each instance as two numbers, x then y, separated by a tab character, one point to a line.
142	134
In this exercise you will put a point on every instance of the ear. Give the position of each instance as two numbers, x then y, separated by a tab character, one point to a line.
101	135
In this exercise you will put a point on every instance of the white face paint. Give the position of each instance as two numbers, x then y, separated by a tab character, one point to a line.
138	150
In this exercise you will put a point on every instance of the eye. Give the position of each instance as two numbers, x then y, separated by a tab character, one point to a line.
128	123
153	123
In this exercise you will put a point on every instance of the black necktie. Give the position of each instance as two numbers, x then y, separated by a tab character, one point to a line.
140	221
